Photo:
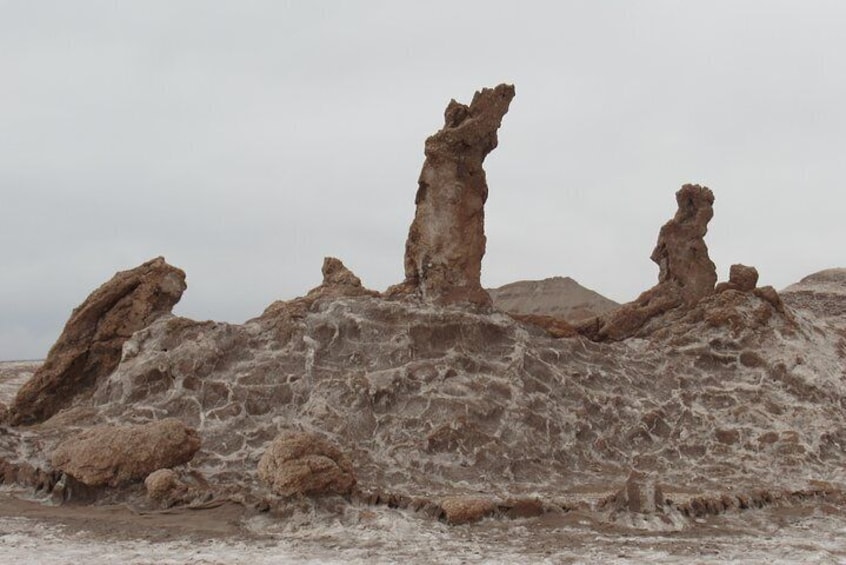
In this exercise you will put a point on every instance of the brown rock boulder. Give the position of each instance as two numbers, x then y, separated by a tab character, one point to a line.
116	455
686	273
90	346
165	487
299	463
446	241
467	509
741	278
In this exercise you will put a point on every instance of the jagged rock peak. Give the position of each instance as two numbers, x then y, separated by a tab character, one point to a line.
335	273
90	345
681	253
446	241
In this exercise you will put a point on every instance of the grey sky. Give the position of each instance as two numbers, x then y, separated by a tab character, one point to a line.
244	141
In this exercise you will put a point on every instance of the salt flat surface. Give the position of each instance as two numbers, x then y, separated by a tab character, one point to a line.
394	536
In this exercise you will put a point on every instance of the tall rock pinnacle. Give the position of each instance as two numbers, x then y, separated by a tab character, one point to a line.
446	241
681	253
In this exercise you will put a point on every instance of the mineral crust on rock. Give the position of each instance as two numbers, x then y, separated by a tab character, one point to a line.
89	347
686	273
116	455
305	464
446	241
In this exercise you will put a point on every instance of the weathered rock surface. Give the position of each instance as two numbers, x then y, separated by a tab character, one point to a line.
686	273
467	509
89	348
164	486
741	278
446	241
116	455
641	494
822	294
299	463
556	297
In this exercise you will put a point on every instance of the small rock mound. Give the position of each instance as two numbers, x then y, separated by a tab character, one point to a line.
466	509
299	463
117	455
90	346
164	485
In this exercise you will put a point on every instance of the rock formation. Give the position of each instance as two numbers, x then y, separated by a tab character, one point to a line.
466	509
305	464
686	273
165	487
741	278
89	348
446	241
116	455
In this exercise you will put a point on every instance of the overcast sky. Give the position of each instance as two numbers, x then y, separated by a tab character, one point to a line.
245	141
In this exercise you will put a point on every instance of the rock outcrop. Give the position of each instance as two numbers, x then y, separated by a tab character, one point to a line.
338	281
117	455
686	273
299	463
89	347
446	241
741	278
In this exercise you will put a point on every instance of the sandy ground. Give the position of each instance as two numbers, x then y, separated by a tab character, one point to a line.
33	532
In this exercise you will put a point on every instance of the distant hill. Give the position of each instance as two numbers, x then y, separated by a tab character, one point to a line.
561	297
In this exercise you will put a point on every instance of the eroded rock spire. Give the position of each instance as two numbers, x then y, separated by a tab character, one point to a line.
446	241
686	273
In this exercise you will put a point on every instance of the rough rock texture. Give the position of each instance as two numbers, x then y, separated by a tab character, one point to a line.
467	509
89	348
299	463
556	327
641	494
446	241
164	486
116	455
686	273
741	278
338	281
557	297
822	295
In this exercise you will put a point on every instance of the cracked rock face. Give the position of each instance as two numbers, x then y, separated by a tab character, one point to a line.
446	241
686	273
89	347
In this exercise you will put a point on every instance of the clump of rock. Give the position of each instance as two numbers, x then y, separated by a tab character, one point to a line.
446	241
117	455
299	463
89	348
165	487
467	509
741	278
